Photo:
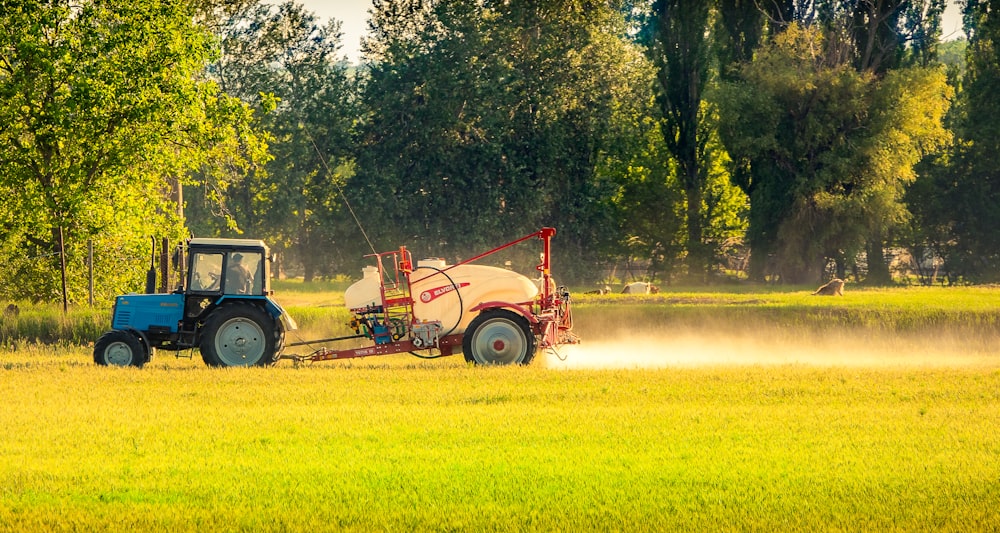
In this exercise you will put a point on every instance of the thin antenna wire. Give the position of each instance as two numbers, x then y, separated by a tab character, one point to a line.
339	189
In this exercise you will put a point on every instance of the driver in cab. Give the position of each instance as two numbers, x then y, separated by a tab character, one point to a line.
239	280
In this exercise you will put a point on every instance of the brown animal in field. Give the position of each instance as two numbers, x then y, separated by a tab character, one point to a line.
640	287
12	311
834	287
602	291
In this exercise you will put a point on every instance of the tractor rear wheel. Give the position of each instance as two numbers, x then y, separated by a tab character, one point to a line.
120	348
499	337
238	335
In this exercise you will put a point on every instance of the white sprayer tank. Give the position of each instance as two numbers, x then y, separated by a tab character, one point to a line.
447	295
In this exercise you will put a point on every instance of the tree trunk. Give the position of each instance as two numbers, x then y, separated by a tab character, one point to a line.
278	266
308	259
697	262
308	271
757	263
62	270
878	269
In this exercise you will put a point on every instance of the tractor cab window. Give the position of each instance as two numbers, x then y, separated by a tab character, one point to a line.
243	273
206	272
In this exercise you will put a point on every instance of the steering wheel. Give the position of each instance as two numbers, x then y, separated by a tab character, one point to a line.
216	278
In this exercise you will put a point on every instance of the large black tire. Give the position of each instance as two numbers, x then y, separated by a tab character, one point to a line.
120	348
238	335
499	337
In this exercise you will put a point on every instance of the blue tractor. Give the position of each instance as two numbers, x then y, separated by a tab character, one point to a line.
223	307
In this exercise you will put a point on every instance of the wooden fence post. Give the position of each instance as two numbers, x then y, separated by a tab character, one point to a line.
62	268
90	272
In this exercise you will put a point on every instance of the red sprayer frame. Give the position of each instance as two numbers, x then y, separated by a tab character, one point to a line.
392	323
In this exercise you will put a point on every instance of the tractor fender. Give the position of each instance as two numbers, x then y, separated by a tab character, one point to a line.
279	312
517	308
269	305
144	340
142	336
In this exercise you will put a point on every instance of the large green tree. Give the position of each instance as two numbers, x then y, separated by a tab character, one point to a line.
965	190
103	111
487	120
880	36
874	38
282	61
680	49
828	149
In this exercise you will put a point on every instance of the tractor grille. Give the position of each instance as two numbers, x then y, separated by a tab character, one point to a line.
123	319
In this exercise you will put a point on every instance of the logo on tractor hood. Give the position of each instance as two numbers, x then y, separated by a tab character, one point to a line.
431	294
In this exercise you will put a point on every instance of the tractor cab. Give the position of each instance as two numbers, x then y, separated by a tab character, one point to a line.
235	267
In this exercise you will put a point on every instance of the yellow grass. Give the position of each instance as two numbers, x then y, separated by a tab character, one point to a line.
398	444
661	420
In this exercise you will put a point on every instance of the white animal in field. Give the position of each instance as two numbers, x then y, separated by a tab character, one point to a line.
640	287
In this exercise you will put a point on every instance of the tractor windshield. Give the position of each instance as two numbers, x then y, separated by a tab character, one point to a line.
206	272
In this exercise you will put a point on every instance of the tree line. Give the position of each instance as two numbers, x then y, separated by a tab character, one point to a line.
684	141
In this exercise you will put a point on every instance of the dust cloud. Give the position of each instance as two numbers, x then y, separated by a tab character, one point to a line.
709	349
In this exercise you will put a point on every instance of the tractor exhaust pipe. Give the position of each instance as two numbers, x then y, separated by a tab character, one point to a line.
151	273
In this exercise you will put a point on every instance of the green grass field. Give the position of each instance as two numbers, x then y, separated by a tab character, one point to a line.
688	410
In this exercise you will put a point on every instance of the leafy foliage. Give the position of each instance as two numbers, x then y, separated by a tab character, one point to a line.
498	118
828	150
471	123
961	199
283	62
680	50
103	112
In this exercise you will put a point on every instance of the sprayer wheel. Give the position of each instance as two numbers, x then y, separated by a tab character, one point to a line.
499	337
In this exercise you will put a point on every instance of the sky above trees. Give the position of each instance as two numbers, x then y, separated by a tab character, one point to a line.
354	16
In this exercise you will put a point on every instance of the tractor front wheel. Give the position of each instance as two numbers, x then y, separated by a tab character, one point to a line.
238	335
499	337
120	348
